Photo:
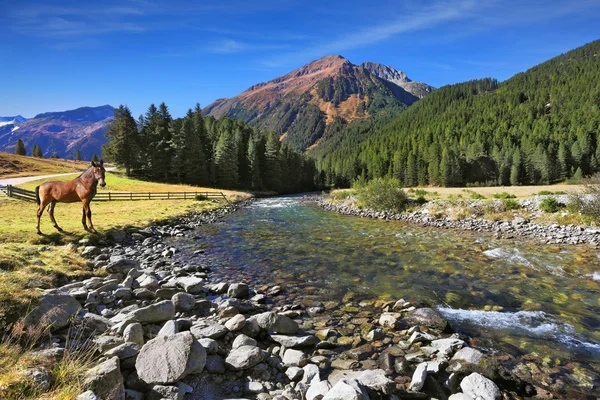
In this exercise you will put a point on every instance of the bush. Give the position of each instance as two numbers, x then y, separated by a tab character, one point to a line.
510	204
549	193
474	195
201	197
504	195
588	203
382	194
550	205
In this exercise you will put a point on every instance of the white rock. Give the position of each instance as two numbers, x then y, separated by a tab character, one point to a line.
346	389
478	386
389	319
235	323
418	378
292	357
318	389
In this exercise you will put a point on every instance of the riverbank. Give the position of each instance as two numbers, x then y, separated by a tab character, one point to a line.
164	327
467	215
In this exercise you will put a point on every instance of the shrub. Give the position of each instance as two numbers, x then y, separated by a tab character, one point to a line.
420	200
587	203
510	204
474	195
550	205
504	195
548	192
339	195
201	197
382	194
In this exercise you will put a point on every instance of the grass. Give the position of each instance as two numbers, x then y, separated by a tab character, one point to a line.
29	262
13	166
517	191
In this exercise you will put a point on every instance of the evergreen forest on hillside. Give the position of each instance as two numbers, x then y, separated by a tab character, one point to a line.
204	151
540	126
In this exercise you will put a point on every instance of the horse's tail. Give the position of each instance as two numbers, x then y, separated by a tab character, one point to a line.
37	195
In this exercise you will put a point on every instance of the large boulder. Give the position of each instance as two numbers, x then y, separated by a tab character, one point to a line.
375	380
277	323
427	317
243	357
157	312
208	329
120	264
238	290
236	323
183	301
54	310
318	390
295	341
105	380
168	359
346	389
480	387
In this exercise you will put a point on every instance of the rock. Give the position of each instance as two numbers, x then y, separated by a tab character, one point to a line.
215	364
87	395
460	396
427	317
254	387
468	355
208	329
318	389
292	357
311	374
389	319
376	380
183	301
120	264
346	389
191	284
160	392
153	313
134	333
91	251
168	359
133	395
478	386
243	340
235	323
243	357
374	334
95	323
220	288
210	345
123	351
238	291
276	323
168	329
418	378
251	328
294	373
105	380
295	341
148	282
448	346
53	310
41	378
107	342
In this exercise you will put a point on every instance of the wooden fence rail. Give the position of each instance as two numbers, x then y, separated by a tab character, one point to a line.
29	195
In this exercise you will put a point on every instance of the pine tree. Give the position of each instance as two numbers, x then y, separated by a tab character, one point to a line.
272	170
37	151
255	148
516	169
123	141
77	155
20	148
226	157
95	158
564	160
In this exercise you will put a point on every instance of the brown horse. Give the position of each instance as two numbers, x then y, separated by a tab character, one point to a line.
83	189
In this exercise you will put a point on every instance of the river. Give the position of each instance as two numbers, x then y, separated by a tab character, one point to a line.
515	296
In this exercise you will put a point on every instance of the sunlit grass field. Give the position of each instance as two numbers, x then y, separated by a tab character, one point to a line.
13	166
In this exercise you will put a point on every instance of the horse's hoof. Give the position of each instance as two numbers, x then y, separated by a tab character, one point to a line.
39	232
59	228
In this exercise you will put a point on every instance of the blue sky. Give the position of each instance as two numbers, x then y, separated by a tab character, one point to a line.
65	54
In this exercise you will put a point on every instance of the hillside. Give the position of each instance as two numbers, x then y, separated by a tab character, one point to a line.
12	166
301	105
60	133
540	126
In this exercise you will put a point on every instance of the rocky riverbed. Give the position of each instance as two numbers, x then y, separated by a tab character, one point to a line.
164	329
517	227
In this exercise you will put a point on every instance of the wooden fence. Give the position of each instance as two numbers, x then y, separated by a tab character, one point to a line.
29	195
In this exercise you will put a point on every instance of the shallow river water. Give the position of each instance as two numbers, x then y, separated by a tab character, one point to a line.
516	296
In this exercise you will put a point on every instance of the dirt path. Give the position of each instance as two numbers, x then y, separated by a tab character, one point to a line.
24	179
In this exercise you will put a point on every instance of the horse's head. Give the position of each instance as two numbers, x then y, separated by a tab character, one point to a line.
99	172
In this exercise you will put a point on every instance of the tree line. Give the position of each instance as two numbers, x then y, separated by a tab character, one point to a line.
540	126
204	151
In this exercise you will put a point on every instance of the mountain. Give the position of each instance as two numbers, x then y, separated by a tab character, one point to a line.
540	126
302	104
61	133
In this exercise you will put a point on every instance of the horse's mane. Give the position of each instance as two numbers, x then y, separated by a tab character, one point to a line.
84	172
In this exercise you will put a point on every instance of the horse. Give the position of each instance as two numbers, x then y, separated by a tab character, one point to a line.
83	188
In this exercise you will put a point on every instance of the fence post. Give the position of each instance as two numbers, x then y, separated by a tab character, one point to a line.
168	195
131	196
109	196
9	190
149	196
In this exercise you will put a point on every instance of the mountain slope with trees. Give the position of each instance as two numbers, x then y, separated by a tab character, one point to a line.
301	105
540	126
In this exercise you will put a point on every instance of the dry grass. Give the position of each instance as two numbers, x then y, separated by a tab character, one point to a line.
489	191
13	166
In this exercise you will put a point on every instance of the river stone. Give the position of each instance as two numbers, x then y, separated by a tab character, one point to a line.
243	357
191	284
105	380
91	251
389	319
295	341
134	333
376	380
294	373
157	312
169	328
168	359
276	323
215	364
427	317
311	375
123	351
460	396
120	264
418	378
346	389
96	323
160	392
41	378
54	310
183	301
468	355
317	390
210	345
238	291
211	330
243	340
87	395
254	387
478	386
251	328
235	323
293	357
448	346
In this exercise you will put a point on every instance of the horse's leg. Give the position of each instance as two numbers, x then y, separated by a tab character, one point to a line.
51	212
40	211
88	213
